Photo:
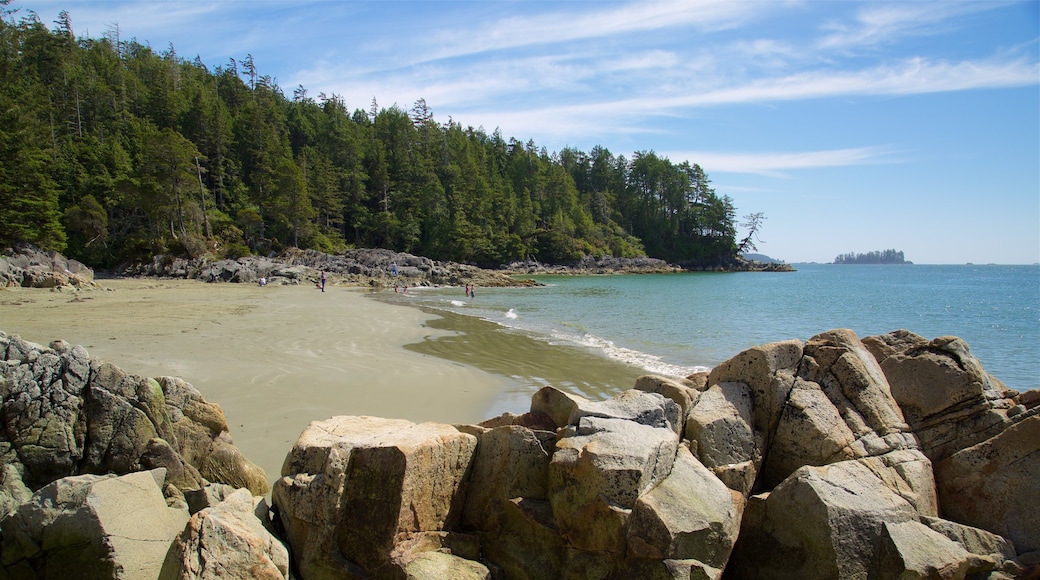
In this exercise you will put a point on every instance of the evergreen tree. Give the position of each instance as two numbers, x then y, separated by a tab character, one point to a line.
127	152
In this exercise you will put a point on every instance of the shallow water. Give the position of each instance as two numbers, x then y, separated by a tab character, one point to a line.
674	324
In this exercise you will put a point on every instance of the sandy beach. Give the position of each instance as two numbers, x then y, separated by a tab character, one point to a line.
274	358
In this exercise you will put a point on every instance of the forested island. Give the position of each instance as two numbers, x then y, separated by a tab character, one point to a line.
875	257
115	152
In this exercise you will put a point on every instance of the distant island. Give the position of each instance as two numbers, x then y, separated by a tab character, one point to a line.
875	257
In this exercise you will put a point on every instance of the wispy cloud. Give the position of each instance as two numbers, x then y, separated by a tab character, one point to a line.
886	22
776	164
631	114
562	26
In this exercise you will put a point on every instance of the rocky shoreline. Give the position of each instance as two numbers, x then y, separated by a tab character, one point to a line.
840	457
27	266
890	456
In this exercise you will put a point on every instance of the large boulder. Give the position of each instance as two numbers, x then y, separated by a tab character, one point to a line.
646	408
821	522
64	413
908	473
43	408
511	461
769	371
353	488
690	515
226	541
31	267
948	399
839	407
91	526
913	550
598	471
719	428
681	392
994	485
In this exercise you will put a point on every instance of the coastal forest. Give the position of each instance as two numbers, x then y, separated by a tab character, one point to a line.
873	257
113	152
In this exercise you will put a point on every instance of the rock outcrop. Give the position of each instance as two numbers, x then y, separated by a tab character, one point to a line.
361	267
110	456
789	460
887	457
64	413
92	526
27	266
227	541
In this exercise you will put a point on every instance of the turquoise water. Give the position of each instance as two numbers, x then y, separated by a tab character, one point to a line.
674	324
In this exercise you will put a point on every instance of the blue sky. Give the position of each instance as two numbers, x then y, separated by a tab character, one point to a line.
853	126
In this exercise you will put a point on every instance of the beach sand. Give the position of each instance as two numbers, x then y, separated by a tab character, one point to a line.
274	358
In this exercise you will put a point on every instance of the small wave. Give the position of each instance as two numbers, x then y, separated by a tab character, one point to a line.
648	362
512	315
457	303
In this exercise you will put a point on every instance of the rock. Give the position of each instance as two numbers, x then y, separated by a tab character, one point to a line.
352	486
159	453
691	515
821	522
994	484
29	266
854	382
557	405
641	407
908	473
511	462
226	541
438	565
974	540
667	570
67	414
811	431
91	526
769	371
913	550
598	471
208	496
13	491
719	427
226	464
43	410
524	540
682	394
839	407
948	399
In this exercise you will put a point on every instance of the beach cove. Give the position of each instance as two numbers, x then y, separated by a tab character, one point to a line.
275	358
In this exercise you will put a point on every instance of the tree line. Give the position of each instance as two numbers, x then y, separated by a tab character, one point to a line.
873	257
114	152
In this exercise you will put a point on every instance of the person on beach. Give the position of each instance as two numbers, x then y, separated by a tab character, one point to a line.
323	280
467	290
393	268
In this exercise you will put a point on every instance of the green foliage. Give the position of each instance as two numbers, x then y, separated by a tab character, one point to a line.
126	152
873	257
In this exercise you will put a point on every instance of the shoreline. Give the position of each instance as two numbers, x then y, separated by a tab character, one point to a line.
275	358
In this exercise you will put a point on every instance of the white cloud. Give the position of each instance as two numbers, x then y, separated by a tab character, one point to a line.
776	163
566	26
884	22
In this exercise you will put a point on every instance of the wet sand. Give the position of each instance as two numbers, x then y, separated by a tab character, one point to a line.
274	358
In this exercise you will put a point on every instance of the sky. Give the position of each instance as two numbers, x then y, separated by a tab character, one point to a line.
851	126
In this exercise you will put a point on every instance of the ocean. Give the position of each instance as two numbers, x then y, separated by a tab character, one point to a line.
592	335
